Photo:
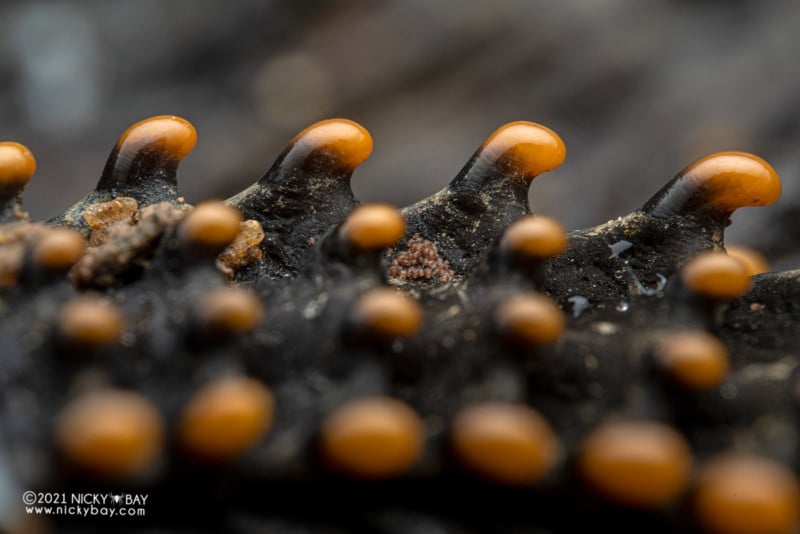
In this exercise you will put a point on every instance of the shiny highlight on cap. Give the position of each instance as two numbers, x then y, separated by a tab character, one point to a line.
372	438
226	418
504	442
716	275
111	433
636	463
373	226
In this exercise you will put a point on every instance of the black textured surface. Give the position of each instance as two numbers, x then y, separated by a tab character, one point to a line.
309	354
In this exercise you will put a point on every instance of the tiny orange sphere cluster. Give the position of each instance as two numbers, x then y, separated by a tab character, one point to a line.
421	261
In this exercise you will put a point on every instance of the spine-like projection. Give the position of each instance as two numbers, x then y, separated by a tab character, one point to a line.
717	185
489	193
304	193
290	360
141	167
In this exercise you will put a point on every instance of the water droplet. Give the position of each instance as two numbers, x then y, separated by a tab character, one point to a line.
619	247
605	328
579	304
728	391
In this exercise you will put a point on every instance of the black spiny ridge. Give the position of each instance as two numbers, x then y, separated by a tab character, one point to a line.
291	361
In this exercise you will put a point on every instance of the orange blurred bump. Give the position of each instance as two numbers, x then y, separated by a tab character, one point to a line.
732	180
743	494
755	262
388	313
90	321
639	464
716	275
695	360
174	135
526	147
349	143
536	236
226	418
212	224
508	443
373	226
58	249
111	433
231	309
530	318
372	438
12	259
17	165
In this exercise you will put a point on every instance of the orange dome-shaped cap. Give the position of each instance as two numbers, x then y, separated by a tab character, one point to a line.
372	438
341	143
721	182
17	165
523	147
148	152
745	494
373	226
111	433
509	443
716	275
211	224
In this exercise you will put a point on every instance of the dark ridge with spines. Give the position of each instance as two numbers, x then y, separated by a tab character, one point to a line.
303	344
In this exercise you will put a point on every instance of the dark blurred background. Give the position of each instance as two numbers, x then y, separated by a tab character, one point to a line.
637	89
